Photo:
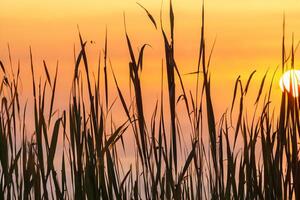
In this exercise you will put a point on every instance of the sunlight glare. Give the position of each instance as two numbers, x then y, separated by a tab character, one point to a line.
290	80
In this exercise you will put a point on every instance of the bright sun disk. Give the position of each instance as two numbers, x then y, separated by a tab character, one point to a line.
290	80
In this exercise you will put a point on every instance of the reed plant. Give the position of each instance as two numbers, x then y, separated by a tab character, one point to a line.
228	166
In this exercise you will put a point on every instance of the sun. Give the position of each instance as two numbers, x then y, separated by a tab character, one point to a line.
290	80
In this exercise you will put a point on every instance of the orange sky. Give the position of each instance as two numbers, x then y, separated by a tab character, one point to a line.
248	35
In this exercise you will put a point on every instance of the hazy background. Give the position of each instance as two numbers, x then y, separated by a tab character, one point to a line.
248	36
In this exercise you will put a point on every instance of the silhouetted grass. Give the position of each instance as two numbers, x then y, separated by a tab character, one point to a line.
91	167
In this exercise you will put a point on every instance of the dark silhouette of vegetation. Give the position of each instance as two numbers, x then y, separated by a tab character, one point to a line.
90	162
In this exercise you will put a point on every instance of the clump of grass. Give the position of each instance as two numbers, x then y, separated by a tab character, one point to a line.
91	167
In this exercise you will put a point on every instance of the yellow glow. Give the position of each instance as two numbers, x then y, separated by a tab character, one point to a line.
290	80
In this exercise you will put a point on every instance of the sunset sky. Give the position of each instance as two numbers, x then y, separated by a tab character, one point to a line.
248	37
156	129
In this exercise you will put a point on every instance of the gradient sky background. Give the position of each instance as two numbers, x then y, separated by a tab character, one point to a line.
248	37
